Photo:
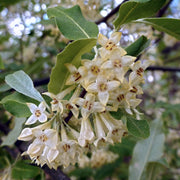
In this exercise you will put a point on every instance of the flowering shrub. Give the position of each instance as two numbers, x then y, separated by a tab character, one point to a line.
90	109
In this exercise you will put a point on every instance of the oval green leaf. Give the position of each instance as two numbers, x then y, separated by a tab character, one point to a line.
11	138
138	46
22	170
167	25
138	128
16	104
71	54
148	150
131	11
72	24
23	84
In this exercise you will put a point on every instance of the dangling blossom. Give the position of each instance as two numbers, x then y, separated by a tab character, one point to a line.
69	148
116	128
138	71
86	133
56	103
100	132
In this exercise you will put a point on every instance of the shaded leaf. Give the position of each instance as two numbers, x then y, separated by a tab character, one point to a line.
71	54
22	83
152	171
22	170
72	24
4	87
138	46
148	150
167	25
131	11
13	134
138	128
1	63
16	104
84	173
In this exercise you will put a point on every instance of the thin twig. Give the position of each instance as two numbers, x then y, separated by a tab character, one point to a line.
55	174
114	11
162	68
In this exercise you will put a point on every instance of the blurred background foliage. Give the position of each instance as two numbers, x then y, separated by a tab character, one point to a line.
30	41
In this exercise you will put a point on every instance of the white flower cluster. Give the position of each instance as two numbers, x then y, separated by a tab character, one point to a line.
76	125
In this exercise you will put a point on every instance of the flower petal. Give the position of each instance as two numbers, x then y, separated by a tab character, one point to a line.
26	135
107	65
78	101
42	107
32	107
90	97
127	60
115	37
98	107
52	154
103	97
31	120
85	113
42	118
112	85
102	40
71	67
92	87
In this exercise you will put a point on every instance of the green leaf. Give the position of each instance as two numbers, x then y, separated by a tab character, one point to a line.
138	128
72	24
13	134
131	11
152	171
118	114
138	46
84	173
167	25
22	170
22	83
4	87
142	1
16	104
71	54
148	150
1	63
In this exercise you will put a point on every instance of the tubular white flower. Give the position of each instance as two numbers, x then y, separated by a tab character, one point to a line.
68	148
86	133
26	135
56	104
115	127
100	132
38	113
